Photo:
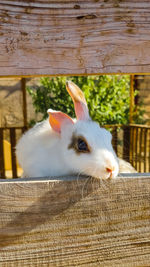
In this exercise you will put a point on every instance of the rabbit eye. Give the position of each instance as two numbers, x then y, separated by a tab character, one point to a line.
82	145
79	144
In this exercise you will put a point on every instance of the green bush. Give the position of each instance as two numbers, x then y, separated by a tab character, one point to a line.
107	97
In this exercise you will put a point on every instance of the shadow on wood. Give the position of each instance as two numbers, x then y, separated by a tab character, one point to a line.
74	222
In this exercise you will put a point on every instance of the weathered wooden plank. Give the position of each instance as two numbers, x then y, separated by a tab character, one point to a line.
75	222
74	37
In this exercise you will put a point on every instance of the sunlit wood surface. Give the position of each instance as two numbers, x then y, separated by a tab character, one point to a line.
75	222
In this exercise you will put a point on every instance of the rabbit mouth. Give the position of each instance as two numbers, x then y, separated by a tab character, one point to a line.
102	174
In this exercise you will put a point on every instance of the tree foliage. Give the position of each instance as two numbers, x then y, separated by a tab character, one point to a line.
107	97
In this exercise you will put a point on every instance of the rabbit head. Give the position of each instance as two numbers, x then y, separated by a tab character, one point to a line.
86	147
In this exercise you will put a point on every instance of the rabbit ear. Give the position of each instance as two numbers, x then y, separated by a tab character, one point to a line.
79	101
57	118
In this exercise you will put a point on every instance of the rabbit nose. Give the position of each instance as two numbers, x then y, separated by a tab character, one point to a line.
110	170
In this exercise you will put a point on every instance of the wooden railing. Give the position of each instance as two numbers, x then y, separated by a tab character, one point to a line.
11	134
131	143
139	150
75	222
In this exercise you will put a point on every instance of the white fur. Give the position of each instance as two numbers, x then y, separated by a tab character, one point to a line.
102	154
39	152
46	151
125	167
43	152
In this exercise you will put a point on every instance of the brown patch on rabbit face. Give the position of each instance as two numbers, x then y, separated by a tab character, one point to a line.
79	144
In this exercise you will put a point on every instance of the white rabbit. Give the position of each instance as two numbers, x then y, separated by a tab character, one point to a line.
62	146
125	167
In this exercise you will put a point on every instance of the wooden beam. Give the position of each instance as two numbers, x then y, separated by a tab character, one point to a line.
74	37
24	98
75	222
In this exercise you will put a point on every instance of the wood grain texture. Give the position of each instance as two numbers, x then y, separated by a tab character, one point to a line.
75	222
74	37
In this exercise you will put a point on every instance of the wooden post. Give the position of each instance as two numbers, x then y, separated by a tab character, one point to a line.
13	154
0	117
2	163
115	139
126	143
131	98
23	87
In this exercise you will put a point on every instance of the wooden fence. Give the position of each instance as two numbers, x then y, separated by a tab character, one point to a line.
11	134
74	37
131	143
76	222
